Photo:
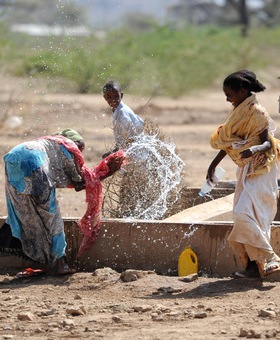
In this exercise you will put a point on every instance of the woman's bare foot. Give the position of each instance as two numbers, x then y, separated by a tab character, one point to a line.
63	267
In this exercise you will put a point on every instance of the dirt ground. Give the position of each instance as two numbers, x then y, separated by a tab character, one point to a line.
100	305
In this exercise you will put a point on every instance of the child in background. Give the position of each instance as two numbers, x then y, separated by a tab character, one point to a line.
247	137
126	123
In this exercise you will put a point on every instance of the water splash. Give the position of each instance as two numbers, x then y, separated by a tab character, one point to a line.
149	186
156	162
192	229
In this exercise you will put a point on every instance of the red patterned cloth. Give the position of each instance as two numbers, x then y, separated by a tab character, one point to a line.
89	224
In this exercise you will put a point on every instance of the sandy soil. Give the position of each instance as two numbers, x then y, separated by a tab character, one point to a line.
102	306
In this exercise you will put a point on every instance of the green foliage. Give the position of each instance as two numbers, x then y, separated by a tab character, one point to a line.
159	60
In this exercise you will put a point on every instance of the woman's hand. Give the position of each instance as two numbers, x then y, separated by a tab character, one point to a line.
210	172
114	164
78	186
247	153
212	167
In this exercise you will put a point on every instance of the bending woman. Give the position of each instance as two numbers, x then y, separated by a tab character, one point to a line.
34	169
247	137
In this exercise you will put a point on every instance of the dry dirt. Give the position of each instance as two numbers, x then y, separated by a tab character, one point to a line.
102	306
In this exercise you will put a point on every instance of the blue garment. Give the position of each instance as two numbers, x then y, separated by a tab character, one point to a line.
33	172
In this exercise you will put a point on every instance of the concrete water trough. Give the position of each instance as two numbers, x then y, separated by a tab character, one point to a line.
156	245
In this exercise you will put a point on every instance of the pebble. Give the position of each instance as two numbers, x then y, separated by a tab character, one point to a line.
107	271
201	315
116	318
162	309
271	334
76	311
26	316
156	317
47	312
39	330
169	290
129	276
189	278
267	312
52	325
143	309
68	323
132	275
250	334
173	314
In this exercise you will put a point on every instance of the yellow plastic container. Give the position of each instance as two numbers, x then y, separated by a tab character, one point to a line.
187	262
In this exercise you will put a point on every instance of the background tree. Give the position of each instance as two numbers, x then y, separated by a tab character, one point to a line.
242	10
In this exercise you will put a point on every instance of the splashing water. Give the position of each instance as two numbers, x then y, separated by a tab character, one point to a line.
191	232
161	168
150	183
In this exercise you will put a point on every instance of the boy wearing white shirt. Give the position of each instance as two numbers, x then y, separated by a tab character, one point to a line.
126	124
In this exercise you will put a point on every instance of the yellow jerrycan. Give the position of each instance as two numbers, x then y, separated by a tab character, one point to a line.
187	262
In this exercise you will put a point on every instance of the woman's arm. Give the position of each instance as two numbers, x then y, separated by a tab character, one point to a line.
266	145
210	172
114	165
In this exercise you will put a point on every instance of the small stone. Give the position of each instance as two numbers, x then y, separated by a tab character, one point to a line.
39	330
162	309
68	323
142	309
132	275
253	334
267	312
243	333
200	315
169	290
76	311
189	278
47	312
106	273
26	316
129	276
156	317
271	334
117	318
173	314
187	312
77	297
52	325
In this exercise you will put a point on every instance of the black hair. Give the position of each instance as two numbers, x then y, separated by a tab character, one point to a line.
112	85
244	79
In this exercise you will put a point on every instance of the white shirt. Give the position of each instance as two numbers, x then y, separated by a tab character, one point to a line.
126	124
